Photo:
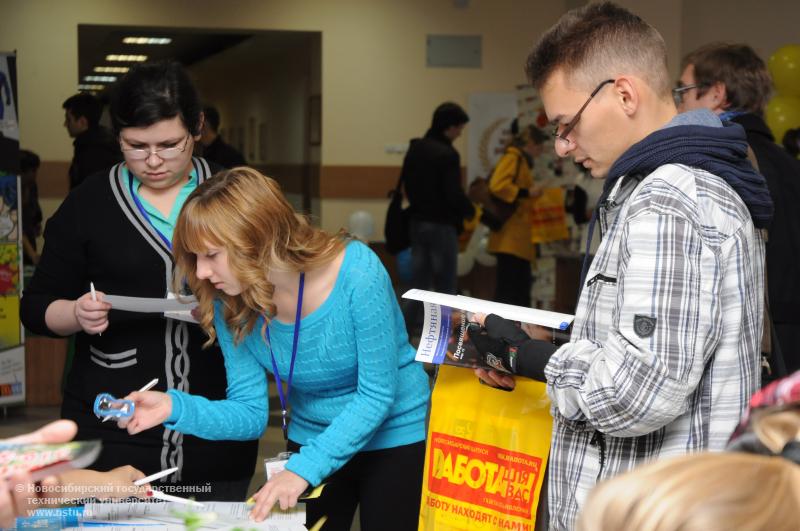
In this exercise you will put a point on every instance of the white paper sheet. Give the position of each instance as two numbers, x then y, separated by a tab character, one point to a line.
164	516
146	305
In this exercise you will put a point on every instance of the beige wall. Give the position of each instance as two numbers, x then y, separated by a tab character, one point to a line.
375	86
765	25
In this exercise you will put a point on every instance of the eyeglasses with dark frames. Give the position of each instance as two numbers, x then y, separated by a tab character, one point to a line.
562	135
677	92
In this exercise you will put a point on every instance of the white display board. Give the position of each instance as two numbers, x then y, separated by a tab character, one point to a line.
490	116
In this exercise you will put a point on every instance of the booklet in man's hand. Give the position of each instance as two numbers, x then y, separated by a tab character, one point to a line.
448	328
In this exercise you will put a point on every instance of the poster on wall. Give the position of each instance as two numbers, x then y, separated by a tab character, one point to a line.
12	351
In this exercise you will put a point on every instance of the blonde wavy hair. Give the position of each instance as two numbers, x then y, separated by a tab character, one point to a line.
245	213
699	492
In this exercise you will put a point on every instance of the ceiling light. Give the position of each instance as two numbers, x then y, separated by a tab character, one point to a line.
91	87
126	58
111	69
146	40
100	79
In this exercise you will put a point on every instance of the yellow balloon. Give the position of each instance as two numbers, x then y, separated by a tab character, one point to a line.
782	114
784	66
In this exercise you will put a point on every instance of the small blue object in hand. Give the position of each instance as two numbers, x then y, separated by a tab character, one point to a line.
106	405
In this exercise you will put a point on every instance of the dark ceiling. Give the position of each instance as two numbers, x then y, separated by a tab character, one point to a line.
188	46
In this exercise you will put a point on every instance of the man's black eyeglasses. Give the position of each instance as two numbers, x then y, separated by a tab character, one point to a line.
562	135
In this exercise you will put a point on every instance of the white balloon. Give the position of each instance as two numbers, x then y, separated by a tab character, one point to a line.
475	251
464	264
482	256
361	225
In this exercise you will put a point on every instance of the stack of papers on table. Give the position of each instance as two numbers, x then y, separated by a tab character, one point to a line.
148	516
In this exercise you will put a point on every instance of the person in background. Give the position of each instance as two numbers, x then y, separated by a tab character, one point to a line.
31	210
214	148
438	205
19	496
273	289
512	181
665	351
733	82
791	142
115	231
95	147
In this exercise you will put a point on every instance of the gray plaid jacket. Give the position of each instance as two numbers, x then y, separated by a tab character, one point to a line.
665	348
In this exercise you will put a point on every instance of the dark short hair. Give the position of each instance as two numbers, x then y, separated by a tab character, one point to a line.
595	42
28	160
748	84
84	105
153	92
447	115
212	117
530	132
791	141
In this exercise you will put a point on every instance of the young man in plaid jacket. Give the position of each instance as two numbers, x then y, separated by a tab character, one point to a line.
665	347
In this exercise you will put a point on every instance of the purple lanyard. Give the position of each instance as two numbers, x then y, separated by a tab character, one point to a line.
144	213
284	399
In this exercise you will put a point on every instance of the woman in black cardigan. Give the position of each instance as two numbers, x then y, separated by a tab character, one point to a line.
115	231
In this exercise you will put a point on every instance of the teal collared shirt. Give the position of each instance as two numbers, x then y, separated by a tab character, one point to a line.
164	224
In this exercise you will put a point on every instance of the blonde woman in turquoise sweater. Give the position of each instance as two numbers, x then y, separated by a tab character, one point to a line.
318	312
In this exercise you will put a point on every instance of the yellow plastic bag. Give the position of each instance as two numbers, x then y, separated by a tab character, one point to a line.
549	217
486	454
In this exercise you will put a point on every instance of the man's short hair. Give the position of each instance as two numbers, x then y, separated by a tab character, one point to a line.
447	115
748	84
600	41
84	105
211	117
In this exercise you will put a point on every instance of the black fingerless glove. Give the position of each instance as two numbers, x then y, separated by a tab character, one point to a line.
506	348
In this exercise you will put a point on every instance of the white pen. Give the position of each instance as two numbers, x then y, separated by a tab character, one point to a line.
94	298
155	476
157	494
152	383
147	387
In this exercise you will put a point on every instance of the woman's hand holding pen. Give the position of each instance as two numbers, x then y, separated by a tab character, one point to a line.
152	408
92	315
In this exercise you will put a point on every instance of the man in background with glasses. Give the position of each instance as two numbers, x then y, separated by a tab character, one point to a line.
664	352
732	81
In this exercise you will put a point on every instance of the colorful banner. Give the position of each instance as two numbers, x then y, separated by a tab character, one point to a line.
12	353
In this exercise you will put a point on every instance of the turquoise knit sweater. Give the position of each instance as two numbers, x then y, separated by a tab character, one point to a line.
355	386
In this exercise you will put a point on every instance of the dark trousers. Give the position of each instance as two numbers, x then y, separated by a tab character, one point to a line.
514	280
789	339
434	251
434	254
386	485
